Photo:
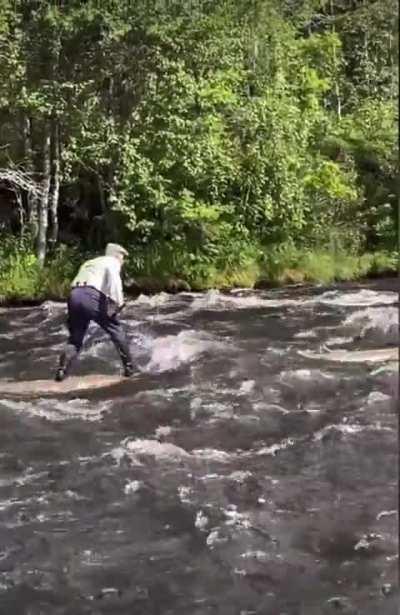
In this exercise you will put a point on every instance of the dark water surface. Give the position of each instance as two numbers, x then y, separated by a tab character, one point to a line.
235	478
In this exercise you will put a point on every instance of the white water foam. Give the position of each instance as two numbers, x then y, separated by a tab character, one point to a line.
236	519
52	307
153	300
185	494
376	397
302	380
380	325
58	411
362	297
240	476
26	478
349	429
214	538
201	521
171	351
139	449
19	332
275	448
338	341
133	486
163	431
93	558
216	300
247	387
386	513
306	334
262	406
213	409
260	556
97	348
211	454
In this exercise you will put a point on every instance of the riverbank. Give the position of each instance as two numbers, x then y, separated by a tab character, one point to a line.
31	286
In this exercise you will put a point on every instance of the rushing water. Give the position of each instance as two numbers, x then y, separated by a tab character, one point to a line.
234	477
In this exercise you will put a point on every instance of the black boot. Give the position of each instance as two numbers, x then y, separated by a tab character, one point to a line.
60	375
65	361
128	370
61	372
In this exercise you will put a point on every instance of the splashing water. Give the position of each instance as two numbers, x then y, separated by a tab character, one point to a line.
235	474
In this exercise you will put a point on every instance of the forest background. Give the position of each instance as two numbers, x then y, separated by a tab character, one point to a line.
224	143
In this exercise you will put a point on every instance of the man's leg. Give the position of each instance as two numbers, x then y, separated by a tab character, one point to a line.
113	327
78	322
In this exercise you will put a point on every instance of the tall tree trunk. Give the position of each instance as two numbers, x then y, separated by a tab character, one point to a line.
102	195
30	200
109	178
393	67
43	218
21	212
55	182
108	225
335	64
366	53
54	153
106	181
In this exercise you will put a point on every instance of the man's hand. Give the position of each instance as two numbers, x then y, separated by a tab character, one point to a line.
112	308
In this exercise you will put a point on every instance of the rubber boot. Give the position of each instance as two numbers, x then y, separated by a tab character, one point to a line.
128	370
65	361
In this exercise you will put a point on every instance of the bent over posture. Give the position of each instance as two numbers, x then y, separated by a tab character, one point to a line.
96	295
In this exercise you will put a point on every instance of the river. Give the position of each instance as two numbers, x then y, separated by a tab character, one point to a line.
233	477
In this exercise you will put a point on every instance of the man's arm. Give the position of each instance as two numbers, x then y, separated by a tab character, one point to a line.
115	291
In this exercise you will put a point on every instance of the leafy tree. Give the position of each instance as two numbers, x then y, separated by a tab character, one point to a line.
212	130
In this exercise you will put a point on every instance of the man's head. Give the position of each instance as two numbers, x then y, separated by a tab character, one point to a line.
113	249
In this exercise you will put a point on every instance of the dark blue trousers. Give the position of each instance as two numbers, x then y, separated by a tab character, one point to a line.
85	304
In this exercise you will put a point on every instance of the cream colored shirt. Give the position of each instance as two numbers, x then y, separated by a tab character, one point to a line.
103	273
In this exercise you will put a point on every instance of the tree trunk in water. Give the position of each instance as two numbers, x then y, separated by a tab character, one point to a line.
55	182
41	243
30	201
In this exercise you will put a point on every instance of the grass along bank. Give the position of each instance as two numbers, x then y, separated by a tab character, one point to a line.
22	279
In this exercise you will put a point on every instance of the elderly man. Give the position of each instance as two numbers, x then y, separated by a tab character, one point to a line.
96	295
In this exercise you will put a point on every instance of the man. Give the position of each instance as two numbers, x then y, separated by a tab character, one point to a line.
96	295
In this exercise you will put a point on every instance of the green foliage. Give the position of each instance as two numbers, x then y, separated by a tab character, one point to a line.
55	278
227	150
369	137
210	134
379	263
19	274
286	264
22	277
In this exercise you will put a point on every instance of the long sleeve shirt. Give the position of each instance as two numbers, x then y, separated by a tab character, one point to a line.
103	273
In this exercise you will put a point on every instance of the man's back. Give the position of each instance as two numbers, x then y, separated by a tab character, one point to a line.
103	273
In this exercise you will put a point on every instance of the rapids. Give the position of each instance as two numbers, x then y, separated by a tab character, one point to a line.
236	477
